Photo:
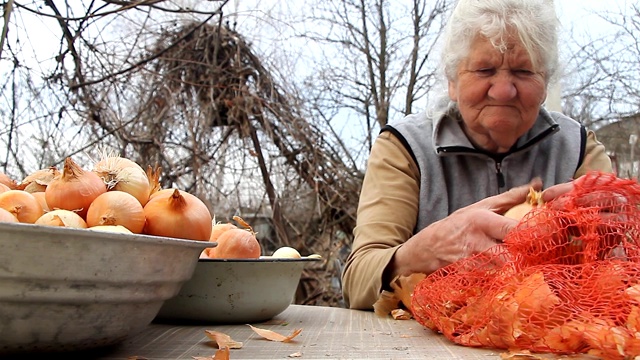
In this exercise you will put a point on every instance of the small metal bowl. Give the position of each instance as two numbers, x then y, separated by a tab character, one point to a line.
64	289
233	291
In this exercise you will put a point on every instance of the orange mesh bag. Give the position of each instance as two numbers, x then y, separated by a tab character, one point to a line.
566	280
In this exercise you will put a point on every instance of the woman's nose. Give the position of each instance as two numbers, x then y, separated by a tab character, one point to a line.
502	87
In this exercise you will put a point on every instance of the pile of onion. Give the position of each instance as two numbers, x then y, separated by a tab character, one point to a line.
116	195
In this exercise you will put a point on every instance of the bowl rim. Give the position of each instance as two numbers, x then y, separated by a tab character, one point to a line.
261	259
80	234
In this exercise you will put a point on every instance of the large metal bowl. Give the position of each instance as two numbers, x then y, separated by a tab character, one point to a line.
236	290
65	289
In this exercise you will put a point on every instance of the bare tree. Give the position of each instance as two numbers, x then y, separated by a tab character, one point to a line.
602	88
603	83
190	95
377	57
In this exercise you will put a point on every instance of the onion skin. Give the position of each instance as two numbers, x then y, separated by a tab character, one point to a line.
9	182
154	179
74	189
177	214
22	205
38	180
116	208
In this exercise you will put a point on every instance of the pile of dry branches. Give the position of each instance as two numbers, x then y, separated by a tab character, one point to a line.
210	85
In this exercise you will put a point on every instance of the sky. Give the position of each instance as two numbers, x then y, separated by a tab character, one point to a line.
578	15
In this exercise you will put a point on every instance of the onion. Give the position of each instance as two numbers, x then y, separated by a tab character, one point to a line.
74	189
40	196
519	211
111	228
178	214
61	217
122	174
534	198
286	252
4	188
117	208
22	205
6	216
6	180
216	230
236	244
38	180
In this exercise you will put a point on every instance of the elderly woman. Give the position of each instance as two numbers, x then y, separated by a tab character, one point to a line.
437	182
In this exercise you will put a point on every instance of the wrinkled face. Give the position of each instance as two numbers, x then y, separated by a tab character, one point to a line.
499	94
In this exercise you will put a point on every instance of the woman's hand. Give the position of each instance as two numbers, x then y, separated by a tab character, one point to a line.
467	231
612	203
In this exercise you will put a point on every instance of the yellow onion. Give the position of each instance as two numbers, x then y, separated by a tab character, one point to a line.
4	188
236	244
22	205
178	214
534	198
40	196
216	230
122	174
38	180
116	208
74	189
286	252
6	216
61	217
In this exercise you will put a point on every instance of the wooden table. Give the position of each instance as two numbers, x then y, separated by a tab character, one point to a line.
327	333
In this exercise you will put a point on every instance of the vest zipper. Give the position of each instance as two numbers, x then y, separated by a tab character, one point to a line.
499	174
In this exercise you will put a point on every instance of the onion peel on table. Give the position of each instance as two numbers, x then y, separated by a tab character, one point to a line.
223	340
221	354
274	336
401	314
390	302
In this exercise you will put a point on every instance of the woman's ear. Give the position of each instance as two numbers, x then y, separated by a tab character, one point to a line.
453	91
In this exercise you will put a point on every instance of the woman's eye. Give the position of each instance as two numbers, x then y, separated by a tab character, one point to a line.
522	72
486	71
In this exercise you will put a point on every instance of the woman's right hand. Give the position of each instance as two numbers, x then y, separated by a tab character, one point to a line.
468	231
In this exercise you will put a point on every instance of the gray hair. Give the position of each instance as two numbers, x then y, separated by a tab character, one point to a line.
535	22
